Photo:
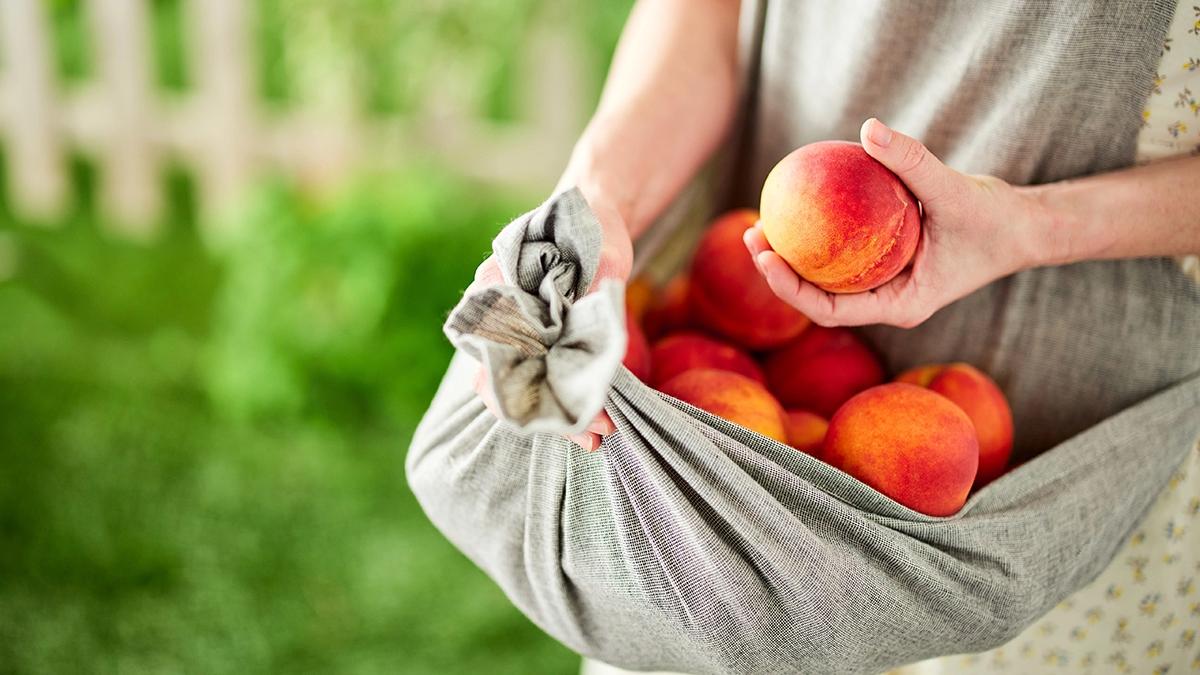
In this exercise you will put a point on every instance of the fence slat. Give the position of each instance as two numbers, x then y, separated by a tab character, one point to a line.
131	191
221	51
37	172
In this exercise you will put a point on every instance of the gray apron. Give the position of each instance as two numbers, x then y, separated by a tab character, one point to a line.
689	543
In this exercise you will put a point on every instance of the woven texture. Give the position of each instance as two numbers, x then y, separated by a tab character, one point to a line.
690	544
542	362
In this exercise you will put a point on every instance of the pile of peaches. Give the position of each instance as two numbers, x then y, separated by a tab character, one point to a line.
717	337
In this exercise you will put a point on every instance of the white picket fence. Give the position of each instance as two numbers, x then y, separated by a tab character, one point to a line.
225	136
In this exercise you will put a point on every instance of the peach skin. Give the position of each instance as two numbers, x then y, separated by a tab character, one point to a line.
839	218
806	431
907	442
821	369
729	296
734	397
685	351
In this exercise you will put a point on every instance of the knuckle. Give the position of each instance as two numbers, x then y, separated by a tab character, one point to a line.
915	155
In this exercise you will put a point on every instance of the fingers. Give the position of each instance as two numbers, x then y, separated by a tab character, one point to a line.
897	302
923	173
602	425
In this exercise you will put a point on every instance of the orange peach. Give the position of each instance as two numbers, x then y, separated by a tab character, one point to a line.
920	375
729	296
734	397
639	294
806	431
821	369
679	352
907	442
841	219
983	401
668	310
637	350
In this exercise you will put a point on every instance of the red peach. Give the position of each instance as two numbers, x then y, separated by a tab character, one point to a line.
680	352
983	401
729	296
985	404
734	397
821	369
841	219
637	350
907	442
668	310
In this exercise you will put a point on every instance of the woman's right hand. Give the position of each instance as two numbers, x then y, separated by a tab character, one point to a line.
616	262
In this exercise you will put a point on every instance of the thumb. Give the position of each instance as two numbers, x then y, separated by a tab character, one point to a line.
908	158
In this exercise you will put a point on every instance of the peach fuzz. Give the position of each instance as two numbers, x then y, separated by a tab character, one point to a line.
668	310
806	431
685	351
907	442
842	220
637	350
729	296
822	369
733	397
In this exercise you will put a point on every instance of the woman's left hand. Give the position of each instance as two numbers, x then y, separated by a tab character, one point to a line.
975	229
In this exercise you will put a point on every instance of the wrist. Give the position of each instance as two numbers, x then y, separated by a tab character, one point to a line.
1070	217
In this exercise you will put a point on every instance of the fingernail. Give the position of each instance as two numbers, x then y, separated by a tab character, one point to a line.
879	133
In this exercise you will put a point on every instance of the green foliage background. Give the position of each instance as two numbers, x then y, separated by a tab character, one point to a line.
201	451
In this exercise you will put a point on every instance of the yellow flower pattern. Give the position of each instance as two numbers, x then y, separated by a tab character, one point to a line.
1171	118
1141	615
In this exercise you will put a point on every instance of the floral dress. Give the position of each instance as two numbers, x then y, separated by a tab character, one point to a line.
1171	119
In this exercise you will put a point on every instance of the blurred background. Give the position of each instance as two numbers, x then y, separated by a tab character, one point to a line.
229	233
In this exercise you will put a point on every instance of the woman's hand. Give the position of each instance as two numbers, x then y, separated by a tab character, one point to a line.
616	262
975	229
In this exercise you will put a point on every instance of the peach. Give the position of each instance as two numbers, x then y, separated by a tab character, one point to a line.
806	431
679	352
637	350
822	369
668	310
841	219
920	375
734	397
985	404
729	296
907	442
639	294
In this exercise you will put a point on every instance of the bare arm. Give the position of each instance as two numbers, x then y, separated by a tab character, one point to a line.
667	105
1144	211
977	229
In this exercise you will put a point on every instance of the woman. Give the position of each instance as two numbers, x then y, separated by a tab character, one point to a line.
1046	254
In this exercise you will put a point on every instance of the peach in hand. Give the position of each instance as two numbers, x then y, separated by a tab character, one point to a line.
729	296
734	397
842	220
822	369
907	442
983	401
680	352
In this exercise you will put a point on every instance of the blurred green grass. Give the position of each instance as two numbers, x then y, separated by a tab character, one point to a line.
156	517
201	450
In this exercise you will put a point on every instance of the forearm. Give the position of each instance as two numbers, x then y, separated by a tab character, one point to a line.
667	104
1139	212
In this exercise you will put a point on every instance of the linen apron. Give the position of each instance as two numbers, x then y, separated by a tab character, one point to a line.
1032	92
